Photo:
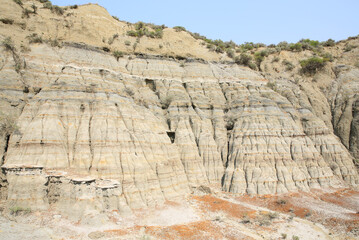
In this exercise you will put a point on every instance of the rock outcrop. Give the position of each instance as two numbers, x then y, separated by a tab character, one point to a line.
95	133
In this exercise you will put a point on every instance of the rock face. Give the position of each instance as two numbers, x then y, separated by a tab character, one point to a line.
96	134
135	133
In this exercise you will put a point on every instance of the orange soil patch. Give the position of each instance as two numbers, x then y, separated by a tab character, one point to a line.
340	197
214	204
197	230
279	204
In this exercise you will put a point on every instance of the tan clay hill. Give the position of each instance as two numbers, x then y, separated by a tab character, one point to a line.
95	123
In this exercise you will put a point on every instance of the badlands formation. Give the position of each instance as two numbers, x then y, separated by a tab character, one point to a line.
93	133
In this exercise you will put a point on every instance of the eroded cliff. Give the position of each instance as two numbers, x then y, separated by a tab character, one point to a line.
96	133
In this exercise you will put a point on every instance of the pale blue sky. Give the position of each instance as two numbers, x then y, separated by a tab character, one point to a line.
266	21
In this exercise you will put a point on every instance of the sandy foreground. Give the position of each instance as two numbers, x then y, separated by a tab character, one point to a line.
315	215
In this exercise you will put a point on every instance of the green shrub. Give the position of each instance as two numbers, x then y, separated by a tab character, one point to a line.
283	45
230	53
246	60
247	46
297	47
211	47
142	30
58	10
17	210
74	6
116	18
259	56
198	36
329	43
132	33
327	57
349	47
243	59
6	21
276	59
117	54
312	43
179	28
127	43
312	65
295	237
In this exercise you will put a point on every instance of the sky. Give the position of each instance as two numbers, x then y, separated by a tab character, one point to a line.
258	21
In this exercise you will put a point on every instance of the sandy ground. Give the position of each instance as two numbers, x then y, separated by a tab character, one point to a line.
314	215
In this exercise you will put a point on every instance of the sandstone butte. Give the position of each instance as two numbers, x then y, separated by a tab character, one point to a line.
91	132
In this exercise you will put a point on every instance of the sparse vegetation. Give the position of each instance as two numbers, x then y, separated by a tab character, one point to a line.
19	2
259	57
284	236
281	201
327	57
127	43
142	30
329	43
312	65
17	210
179	28
276	59
288	65
230	53
272	85
117	54
295	237
246	60
54	43
114	17
26	13
8	44
34	38
58	10
112	39
47	5
54	8
7	21
349	47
